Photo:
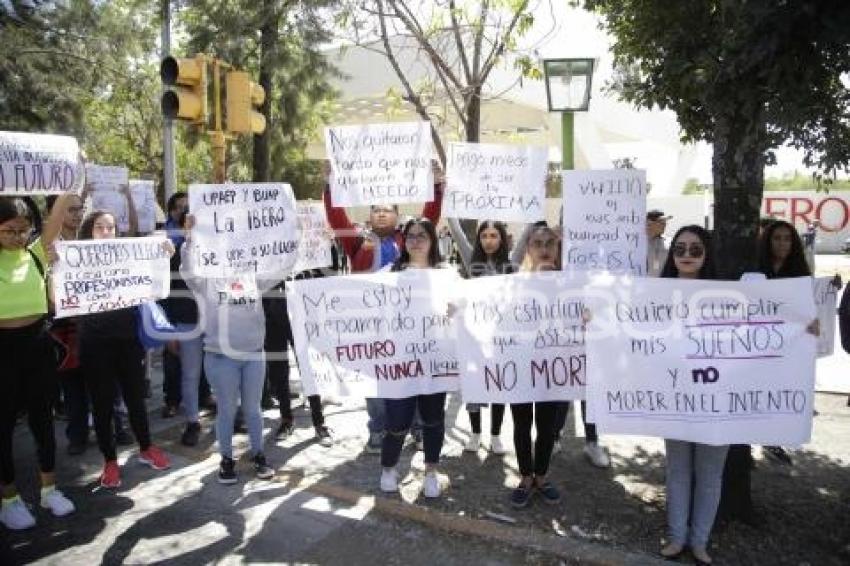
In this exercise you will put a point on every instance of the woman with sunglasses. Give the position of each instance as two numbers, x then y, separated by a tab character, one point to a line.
27	352
694	470
419	251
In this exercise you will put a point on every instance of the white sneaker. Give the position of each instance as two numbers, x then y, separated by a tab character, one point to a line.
431	485
496	446
556	447
597	455
473	444
15	515
389	480
56	501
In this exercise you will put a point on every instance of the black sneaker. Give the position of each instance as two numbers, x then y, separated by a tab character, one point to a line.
323	435
285	430
227	471
549	493
779	454
191	434
520	496
261	468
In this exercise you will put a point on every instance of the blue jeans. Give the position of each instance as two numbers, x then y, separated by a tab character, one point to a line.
232	380
400	413
376	409
191	360
694	478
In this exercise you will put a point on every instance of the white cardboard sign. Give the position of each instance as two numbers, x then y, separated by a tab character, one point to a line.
39	164
521	339
496	182
380	163
604	221
314	244
144	200
826	296
106	182
243	228
716	362
378	335
93	276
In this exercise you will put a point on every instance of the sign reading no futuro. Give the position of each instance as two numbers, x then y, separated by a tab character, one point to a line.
604	221
496	182
243	228
379	335
702	361
521	340
380	163
39	164
93	276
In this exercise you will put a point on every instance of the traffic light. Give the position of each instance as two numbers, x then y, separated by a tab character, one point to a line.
243	100
188	99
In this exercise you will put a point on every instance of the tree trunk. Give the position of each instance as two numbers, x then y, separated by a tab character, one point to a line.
473	135
262	142
738	171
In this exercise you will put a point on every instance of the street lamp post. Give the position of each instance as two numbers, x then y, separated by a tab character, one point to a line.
568	83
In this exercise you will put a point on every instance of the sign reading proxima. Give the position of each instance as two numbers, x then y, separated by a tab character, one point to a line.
39	164
380	163
243	228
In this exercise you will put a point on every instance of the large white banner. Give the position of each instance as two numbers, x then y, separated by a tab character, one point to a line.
604	221
383	335
93	276
315	237
520	339
105	182
380	163
39	164
826	296
144	200
702	361
243	228
496	182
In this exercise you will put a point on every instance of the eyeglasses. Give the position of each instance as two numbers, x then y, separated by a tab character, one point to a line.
22	234
417	237
694	250
543	243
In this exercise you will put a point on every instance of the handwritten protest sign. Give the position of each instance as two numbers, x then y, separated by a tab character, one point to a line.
496	182
93	276
106	182
314	244
380	163
39	164
378	335
243	228
826	296
605	221
144	200
702	361
520	339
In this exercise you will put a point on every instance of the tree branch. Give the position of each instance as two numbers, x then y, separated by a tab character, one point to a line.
459	41
499	47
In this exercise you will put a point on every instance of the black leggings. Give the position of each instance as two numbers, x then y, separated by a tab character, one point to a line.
29	374
497	414
590	434
278	338
536	462
107	363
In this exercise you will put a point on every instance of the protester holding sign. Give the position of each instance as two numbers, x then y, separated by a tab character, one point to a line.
233	321
27	353
694	470
533	459
419	251
364	258
111	355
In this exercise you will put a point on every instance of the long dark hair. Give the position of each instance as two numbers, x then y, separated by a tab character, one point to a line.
87	227
707	270
795	265
500	260
14	207
434	258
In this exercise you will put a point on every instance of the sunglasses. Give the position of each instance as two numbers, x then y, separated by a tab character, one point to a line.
694	250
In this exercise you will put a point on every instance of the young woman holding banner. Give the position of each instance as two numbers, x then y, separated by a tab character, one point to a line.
27	352
111	356
419	251
533	458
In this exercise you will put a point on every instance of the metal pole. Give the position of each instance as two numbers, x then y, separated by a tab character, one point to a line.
167	125
567	141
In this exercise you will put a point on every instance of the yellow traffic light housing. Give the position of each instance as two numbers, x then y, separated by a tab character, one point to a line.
244	97
188	99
